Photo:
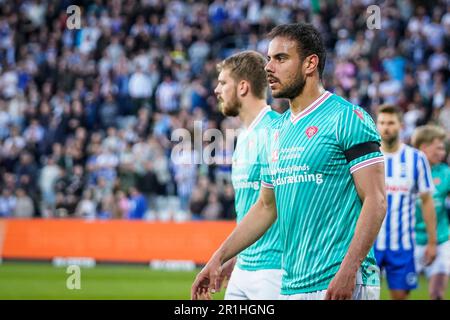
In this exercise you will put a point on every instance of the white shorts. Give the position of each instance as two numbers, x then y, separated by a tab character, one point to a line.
254	285
440	265
362	292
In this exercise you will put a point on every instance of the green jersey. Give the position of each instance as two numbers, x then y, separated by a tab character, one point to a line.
310	160
246	178
441	179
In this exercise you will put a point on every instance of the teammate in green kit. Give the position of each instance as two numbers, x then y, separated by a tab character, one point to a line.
241	91
323	180
430	140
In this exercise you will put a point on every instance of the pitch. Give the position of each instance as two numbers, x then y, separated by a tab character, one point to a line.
110	282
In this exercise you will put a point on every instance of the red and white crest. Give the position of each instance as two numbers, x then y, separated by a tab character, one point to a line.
311	131
275	155
276	135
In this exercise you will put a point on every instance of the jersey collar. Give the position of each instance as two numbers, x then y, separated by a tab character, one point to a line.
258	118
313	106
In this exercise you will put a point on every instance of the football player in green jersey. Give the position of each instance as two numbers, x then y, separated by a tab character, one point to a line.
324	181
241	91
430	140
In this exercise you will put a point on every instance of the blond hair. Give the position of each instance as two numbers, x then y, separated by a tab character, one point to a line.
249	66
427	134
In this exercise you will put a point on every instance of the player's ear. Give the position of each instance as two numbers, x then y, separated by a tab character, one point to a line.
243	88
310	64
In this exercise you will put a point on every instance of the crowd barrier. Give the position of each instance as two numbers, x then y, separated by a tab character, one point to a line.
111	240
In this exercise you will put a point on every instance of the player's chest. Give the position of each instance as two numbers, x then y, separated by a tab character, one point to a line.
400	177
303	144
246	162
440	185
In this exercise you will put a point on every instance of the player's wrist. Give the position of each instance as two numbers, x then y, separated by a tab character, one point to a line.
220	257
348	268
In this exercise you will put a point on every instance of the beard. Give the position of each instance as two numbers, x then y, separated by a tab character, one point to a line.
293	88
390	140
232	108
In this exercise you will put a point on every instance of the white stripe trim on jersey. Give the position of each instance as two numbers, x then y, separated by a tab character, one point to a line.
259	117
366	163
408	211
266	185
394	223
313	106
380	243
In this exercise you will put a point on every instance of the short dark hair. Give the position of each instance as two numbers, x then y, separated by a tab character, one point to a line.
248	65
308	38
391	109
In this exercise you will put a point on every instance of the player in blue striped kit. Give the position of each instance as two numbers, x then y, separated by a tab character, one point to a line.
408	177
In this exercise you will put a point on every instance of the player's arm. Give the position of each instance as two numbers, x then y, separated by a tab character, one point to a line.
429	217
369	182
255	223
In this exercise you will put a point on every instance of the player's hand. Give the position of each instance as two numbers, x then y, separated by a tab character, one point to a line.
207	281
227	269
430	253
342	286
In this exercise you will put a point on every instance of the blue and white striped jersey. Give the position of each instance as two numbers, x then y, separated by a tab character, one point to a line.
408	175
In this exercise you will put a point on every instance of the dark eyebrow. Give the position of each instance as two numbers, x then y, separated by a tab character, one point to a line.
279	56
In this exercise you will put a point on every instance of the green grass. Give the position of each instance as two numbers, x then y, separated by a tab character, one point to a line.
44	281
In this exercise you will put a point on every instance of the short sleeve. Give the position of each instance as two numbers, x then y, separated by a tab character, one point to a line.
358	138
424	177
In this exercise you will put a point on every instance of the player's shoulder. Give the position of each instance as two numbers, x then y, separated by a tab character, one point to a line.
417	154
410	149
345	107
271	115
275	119
444	168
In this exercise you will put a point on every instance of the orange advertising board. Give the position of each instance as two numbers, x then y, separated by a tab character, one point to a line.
112	240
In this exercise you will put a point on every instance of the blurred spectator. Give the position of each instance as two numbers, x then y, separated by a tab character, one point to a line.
197	203
123	204
86	208
227	202
140	88
108	208
213	208
148	183
444	116
47	180
168	94
108	112
7	203
138	205
24	207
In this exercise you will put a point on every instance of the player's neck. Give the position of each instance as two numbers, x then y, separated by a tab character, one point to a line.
250	110
309	95
390	147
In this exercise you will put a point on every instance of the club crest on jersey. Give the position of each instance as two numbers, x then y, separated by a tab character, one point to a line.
276	135
275	155
251	143
311	131
359	114
437	181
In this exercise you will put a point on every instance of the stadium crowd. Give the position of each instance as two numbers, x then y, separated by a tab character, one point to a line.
86	115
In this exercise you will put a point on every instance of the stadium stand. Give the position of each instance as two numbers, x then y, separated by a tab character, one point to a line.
86	115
